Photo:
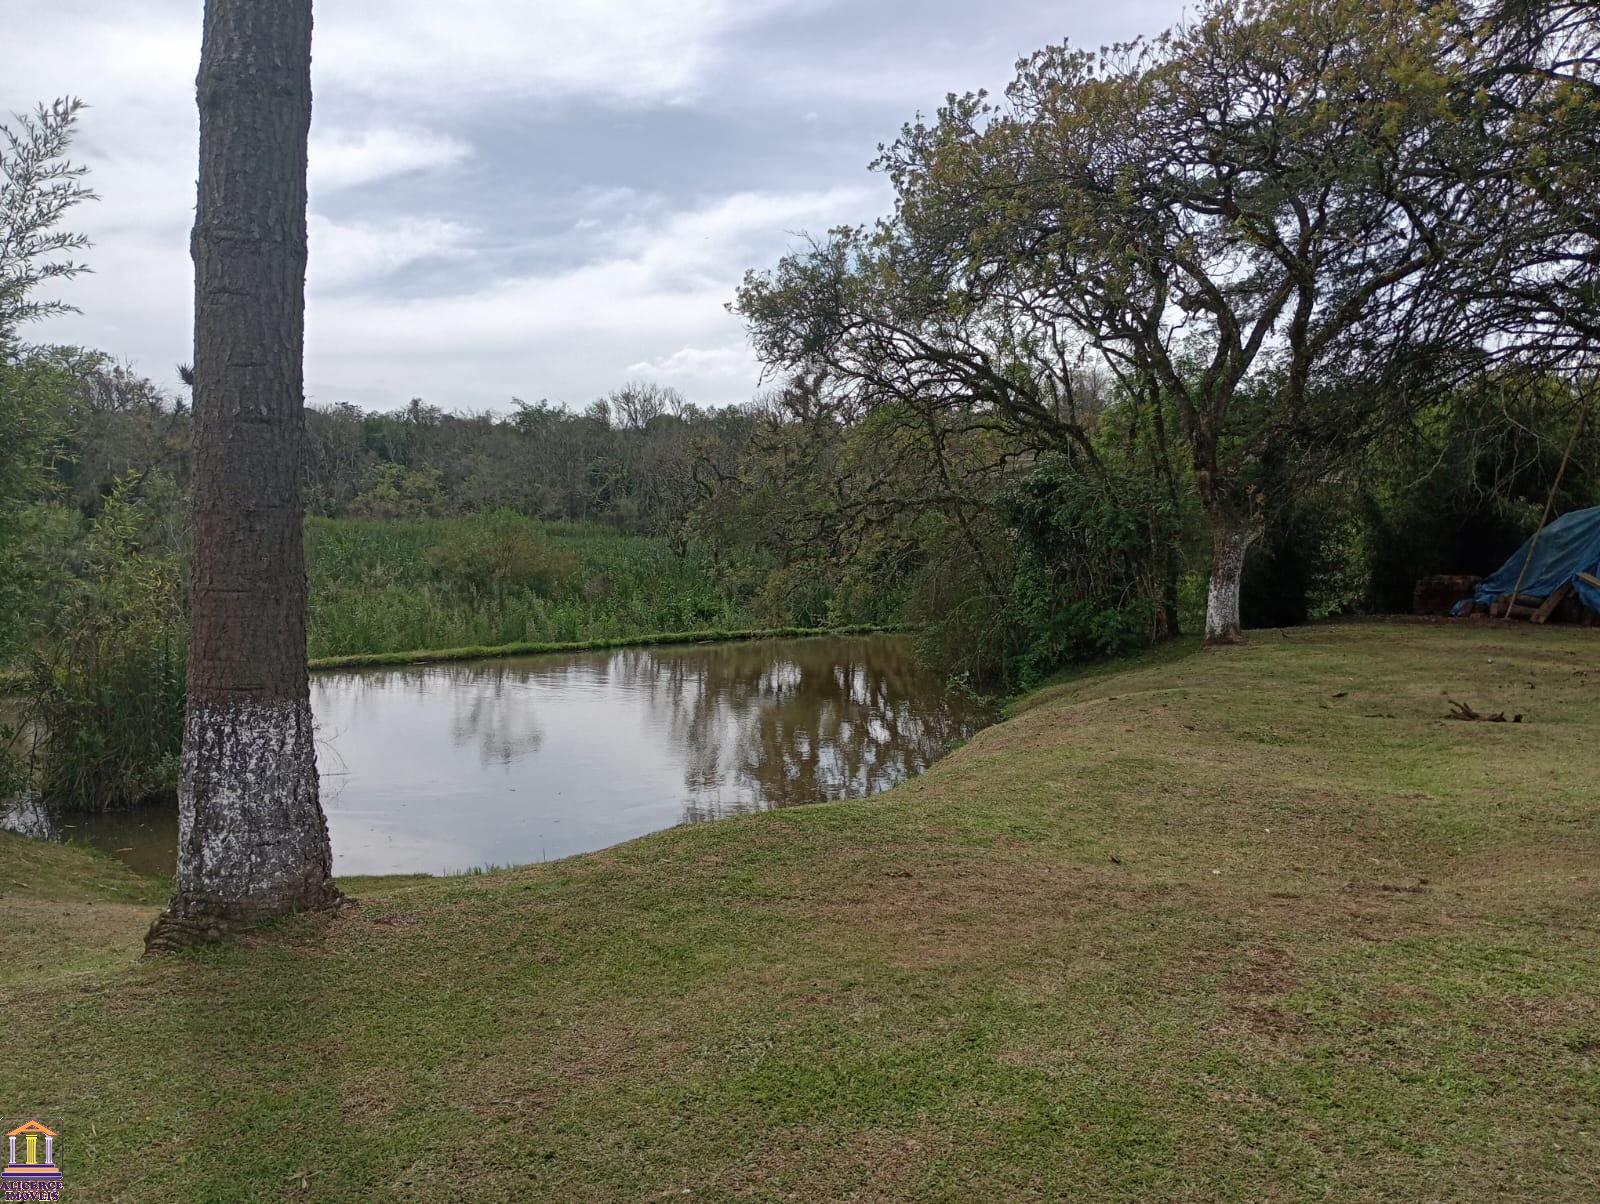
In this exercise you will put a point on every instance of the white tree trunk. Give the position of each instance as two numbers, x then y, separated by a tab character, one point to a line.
1230	542
248	805
252	839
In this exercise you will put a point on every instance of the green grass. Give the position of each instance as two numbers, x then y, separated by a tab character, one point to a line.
67	910
1256	924
646	640
397	586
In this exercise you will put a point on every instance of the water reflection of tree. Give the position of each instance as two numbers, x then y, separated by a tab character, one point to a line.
498	712
760	724
775	725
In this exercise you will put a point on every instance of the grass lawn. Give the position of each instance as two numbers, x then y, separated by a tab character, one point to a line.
1259	924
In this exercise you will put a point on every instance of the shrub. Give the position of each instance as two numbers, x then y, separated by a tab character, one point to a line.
1084	580
502	554
395	492
107	684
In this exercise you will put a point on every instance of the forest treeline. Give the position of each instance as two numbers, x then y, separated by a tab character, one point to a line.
1252	322
788	515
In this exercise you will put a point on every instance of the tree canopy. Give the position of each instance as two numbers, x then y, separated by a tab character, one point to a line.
1267	223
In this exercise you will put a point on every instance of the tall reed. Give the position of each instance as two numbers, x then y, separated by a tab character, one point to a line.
500	578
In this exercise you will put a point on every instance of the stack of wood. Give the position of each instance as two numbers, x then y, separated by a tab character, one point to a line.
1439	595
1563	606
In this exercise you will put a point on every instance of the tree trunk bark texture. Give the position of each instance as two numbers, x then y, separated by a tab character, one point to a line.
1231	539
253	841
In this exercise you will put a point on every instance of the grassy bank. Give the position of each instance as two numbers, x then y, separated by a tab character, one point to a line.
494	580
648	640
1253	925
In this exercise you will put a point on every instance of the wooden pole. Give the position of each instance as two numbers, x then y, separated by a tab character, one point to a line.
1550	505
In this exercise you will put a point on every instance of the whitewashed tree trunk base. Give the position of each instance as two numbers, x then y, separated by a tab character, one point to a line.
1230	544
252	839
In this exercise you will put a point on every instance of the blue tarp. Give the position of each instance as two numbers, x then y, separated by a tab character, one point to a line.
1569	546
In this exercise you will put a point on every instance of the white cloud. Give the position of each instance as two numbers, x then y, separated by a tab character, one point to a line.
700	362
667	276
547	246
655	296
343	159
344	254
451	55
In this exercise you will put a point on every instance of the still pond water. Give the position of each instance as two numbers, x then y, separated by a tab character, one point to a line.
441	768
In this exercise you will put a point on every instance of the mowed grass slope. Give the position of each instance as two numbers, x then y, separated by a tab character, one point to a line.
1253	925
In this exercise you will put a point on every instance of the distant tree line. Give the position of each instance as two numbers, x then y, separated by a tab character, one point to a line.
639	459
628	459
636	459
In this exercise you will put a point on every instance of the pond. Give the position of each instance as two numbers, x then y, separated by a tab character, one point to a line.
443	768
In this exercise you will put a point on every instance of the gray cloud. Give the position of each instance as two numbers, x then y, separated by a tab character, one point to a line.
510	199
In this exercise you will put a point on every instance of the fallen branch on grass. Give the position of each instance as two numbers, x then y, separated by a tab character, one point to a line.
1460	710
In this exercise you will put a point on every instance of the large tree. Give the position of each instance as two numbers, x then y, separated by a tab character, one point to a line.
1230	216
252	840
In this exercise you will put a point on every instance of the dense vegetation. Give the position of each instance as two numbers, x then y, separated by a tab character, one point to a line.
501	578
1255	926
1263	268
1130	330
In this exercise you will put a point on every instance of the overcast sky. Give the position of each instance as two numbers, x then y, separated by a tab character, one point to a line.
521	199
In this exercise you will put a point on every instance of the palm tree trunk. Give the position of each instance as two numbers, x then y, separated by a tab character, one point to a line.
252	838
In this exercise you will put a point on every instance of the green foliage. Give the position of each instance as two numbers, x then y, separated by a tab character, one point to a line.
398	492
32	391
501	555
1460	489
488	580
958	604
107	684
1264	276
1308	564
1088	579
1084	579
1454	491
38	184
628	461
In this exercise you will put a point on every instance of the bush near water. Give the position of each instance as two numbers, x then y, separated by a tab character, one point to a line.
501	578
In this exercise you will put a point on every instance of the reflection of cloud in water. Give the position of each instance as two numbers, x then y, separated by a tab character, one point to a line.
371	843
437	767
491	706
755	725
